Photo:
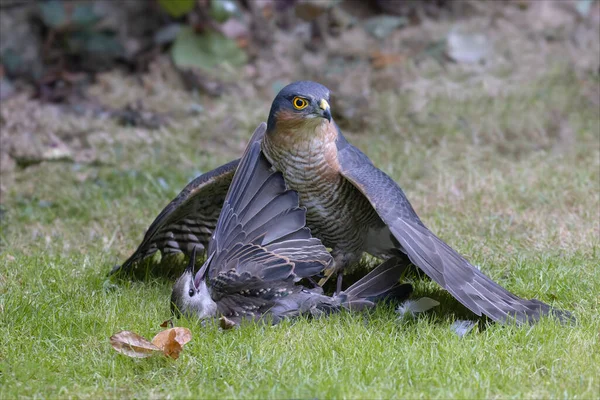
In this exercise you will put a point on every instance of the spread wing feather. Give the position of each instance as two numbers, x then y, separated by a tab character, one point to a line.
189	220
428	252
260	246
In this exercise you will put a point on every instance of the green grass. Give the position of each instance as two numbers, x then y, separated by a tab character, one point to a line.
522	203
57	319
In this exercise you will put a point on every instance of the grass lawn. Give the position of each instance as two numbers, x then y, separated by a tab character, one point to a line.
512	181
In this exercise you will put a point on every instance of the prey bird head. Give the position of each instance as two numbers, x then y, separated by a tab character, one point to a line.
190	294
302	102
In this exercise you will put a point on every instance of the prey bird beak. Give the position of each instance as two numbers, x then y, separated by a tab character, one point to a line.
192	262
325	109
201	274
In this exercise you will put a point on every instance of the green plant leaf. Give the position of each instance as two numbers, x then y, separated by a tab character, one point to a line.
177	8
53	13
206	51
84	15
105	44
382	26
221	10
12	61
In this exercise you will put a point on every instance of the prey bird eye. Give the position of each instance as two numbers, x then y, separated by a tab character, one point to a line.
300	103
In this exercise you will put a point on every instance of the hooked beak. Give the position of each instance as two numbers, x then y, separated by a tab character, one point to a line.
325	110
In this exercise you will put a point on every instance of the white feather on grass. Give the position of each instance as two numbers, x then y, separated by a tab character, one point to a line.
412	307
461	327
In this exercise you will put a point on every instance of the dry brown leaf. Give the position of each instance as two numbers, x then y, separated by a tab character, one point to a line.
171	341
182	336
381	60
133	345
225	323
242	42
171	347
168	342
168	322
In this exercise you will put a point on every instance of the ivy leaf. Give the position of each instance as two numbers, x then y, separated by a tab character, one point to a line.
207	51
84	15
177	8
53	13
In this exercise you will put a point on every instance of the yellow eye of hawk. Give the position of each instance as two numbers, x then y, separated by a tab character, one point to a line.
299	103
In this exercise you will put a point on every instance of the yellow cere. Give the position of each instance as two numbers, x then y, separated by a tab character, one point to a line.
324	104
300	103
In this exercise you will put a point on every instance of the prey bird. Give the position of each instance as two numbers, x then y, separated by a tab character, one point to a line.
351	206
260	249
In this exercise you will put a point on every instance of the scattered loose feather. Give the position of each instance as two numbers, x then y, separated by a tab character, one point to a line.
412	307
461	327
226	324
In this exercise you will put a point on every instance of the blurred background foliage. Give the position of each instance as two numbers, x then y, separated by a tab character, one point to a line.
151	64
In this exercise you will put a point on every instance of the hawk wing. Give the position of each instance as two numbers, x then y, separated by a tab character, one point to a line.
261	244
439	261
190	219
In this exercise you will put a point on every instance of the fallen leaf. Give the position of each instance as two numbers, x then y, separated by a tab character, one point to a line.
168	342
381	60
182	336
133	345
171	341
225	323
171	348
168	322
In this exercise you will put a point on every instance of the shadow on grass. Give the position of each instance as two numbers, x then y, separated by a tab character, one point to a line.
156	266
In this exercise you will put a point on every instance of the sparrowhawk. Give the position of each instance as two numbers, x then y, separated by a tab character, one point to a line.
351	206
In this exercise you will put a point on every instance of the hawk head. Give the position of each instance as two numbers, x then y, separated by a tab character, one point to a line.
300	103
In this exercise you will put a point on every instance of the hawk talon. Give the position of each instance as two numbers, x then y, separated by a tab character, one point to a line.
327	274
